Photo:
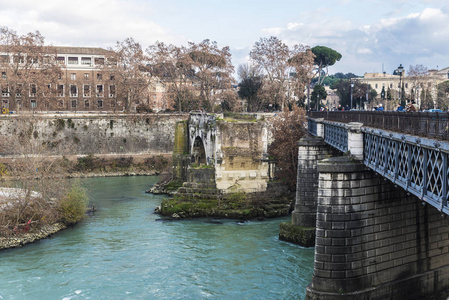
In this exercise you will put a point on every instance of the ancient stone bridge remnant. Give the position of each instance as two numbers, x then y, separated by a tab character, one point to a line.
235	149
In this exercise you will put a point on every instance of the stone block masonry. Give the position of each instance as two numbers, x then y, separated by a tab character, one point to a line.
301	231
83	134
373	241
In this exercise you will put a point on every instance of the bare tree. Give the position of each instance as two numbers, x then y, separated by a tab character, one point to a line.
126	65
173	65
417	77
29	69
271	55
302	60
213	69
288	129
37	194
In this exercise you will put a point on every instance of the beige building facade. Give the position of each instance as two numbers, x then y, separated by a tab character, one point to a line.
414	87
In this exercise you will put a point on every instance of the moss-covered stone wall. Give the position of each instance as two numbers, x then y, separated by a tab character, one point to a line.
85	134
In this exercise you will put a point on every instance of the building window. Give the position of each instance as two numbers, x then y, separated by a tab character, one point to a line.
99	61
86	90
111	91
375	86
5	91
406	85
86	61
4	58
391	85
86	102
48	90
73	60
19	90
19	59
4	75
60	60
73	90
61	103
100	103
100	90
86	75
73	76
99	76
73	102
33	103
5	103
33	90
112	77
60	90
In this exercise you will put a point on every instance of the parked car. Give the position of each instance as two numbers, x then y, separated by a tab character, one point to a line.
433	110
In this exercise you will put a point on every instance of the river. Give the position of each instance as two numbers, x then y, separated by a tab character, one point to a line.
123	252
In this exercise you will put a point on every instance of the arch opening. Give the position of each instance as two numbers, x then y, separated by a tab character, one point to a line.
199	152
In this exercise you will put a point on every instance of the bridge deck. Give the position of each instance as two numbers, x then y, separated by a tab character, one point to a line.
416	160
431	125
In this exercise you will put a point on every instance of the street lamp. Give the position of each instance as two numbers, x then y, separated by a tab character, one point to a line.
400	70
417	96
352	86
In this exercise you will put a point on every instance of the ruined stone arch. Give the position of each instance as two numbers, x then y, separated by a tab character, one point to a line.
198	152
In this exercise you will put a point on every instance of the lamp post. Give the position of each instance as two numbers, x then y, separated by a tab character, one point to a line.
417	96
352	86
400	70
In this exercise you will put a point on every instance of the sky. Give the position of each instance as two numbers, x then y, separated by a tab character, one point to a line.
371	35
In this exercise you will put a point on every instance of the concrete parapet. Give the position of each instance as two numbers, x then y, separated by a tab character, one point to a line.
373	241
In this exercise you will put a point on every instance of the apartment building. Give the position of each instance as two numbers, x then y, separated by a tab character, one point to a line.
85	85
60	79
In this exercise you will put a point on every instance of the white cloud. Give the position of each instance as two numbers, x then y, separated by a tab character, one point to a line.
85	22
416	38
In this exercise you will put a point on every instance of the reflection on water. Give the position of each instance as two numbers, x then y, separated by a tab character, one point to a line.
122	252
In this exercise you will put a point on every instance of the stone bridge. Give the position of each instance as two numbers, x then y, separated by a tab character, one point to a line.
234	149
372	190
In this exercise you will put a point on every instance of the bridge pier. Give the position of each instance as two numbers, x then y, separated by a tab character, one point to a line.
301	230
373	241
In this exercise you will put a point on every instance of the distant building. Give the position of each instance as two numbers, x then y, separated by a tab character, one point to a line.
414	86
81	82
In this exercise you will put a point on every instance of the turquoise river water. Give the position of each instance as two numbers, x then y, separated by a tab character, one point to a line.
123	252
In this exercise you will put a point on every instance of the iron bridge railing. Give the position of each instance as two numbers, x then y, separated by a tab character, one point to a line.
336	135
418	165
431	125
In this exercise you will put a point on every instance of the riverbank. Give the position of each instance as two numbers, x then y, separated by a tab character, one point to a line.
23	238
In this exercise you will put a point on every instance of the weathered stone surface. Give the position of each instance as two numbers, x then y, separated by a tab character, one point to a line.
97	134
310	151
374	241
298	235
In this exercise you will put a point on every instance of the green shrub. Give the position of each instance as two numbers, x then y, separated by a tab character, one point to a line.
85	163
72	207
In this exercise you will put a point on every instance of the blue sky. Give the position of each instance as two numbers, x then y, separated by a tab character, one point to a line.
372	35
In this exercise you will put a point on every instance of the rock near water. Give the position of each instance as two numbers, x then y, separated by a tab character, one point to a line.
22	239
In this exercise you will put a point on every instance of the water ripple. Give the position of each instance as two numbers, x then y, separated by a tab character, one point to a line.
123	253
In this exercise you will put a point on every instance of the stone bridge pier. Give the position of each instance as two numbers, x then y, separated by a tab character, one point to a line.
373	239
